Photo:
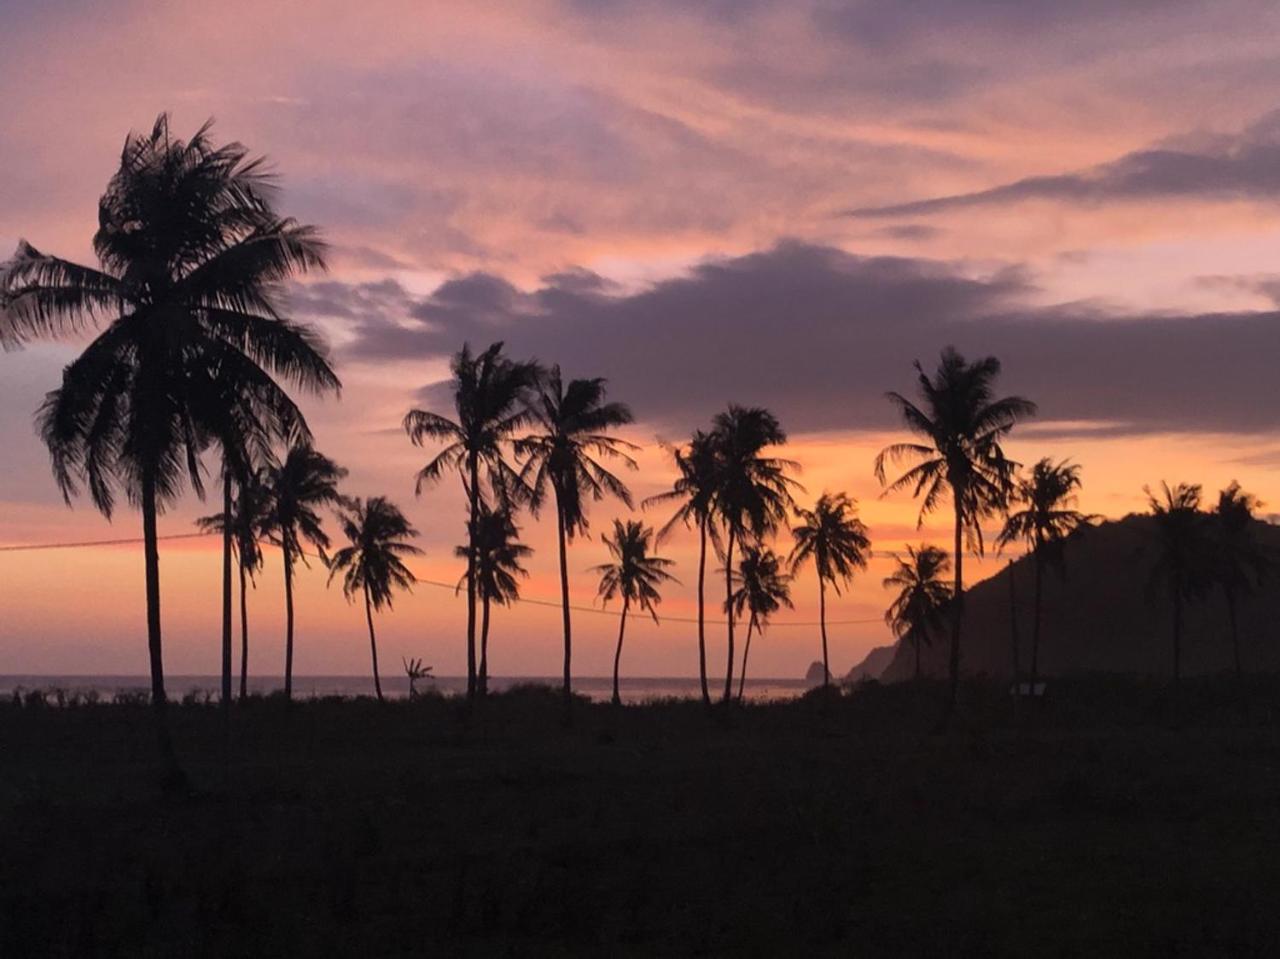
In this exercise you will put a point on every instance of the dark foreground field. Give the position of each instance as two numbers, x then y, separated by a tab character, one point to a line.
349	828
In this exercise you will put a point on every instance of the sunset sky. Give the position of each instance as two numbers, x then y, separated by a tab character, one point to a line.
766	202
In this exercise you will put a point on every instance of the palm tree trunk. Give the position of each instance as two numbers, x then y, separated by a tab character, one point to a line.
957	607
702	635
822	626
172	774
288	622
917	642
746	651
244	634
473	507
226	589
617	656
1035	623
482	677
373	644
728	591
564	605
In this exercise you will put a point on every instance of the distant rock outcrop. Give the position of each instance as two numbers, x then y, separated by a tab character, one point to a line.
1102	615
816	674
873	665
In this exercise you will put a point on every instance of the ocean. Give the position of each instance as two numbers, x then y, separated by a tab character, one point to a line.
637	689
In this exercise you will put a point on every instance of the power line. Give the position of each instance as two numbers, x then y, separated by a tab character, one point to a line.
133	541
552	604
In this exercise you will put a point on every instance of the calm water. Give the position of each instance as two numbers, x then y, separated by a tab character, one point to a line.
634	690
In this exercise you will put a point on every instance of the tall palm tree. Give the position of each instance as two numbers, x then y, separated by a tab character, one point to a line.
635	575
961	423
248	524
833	538
572	434
302	485
1184	544
753	492
1047	519
1240	561
498	572
373	563
917	610
491	393
763	589
190	253
694	490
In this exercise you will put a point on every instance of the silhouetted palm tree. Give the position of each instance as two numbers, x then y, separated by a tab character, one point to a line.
921	603
752	493
305	483
1183	561
490	396
961	423
373	564
190	253
833	538
249	518
1048	518
695	489
635	575
572	434
1240	560
763	589
498	571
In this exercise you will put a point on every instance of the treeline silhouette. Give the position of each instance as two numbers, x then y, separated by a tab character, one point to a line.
194	356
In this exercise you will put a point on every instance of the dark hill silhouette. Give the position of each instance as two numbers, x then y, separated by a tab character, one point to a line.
1102	615
873	665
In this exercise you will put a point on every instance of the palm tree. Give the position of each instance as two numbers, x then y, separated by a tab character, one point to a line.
1241	562
694	489
190	254
752	492
763	589
490	397
961	423
573	423
498	571
249	515
921	602
635	575
1184	551
833	538
302	485
373	564
1047	519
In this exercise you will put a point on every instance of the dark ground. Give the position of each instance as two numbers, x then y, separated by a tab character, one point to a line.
350	828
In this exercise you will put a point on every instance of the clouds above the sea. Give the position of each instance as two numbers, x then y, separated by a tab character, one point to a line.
820	335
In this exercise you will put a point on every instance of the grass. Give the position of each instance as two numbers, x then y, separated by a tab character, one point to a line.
843	828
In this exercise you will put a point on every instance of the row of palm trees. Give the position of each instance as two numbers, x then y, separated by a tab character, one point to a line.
281	503
522	436
193	355
1200	551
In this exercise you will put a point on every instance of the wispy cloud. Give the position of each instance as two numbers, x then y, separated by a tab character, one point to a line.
1242	166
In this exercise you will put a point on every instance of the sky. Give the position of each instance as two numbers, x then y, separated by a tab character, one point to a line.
766	202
